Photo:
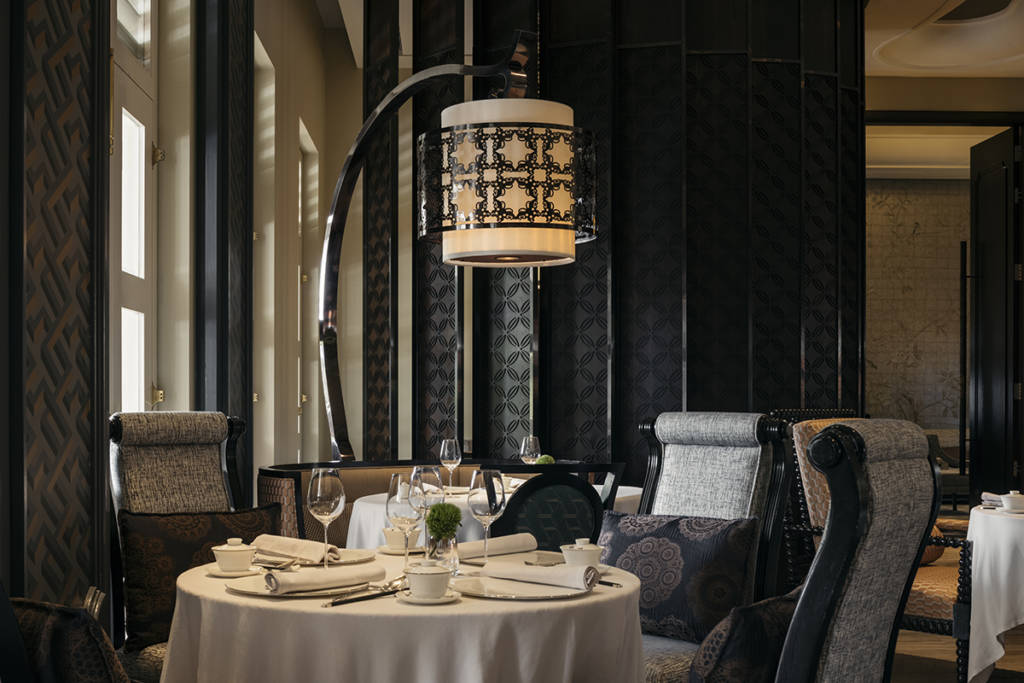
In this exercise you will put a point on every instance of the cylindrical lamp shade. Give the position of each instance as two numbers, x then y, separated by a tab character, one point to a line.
507	183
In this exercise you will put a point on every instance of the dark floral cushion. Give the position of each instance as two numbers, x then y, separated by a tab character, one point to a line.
158	547
692	570
747	644
66	644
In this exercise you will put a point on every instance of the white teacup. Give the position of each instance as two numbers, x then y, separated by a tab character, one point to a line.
427	579
394	538
582	553
1013	501
235	556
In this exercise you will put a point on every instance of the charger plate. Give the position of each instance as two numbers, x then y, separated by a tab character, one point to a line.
504	589
257	585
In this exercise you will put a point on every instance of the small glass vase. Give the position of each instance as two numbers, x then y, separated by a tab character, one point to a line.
445	551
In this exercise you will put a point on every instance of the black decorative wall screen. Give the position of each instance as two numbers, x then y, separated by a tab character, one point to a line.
380	240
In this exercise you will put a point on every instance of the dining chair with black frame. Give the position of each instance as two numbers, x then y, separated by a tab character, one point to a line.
556	507
606	476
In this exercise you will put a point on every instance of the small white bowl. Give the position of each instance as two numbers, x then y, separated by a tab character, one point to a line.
395	539
427	579
582	553
235	556
1012	501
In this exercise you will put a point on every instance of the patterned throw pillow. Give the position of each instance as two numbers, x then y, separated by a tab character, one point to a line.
747	644
692	570
158	547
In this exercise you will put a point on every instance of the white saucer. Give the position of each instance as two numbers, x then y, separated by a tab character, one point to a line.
216	572
450	596
388	550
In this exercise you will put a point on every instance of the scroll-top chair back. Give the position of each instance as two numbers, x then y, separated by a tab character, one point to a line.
815	487
884	499
171	462
724	466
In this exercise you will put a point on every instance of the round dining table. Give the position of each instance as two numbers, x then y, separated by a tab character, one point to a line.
217	636
997	600
369	516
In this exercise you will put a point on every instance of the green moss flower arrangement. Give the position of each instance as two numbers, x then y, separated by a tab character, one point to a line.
443	520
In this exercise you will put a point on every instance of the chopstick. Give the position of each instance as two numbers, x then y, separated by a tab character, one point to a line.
359	598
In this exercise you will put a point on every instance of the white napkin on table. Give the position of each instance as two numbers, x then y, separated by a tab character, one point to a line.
318	578
503	545
284	547
581	577
991	499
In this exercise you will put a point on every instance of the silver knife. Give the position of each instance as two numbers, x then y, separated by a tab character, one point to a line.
359	598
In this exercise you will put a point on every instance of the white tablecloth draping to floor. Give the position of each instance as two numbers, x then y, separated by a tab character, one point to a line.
217	636
997	598
369	517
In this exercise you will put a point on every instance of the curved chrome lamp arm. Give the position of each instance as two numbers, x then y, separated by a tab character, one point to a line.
514	71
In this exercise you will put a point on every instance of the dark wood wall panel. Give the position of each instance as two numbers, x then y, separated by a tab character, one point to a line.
851	243
503	299
820	250
575	336
649	238
437	308
380	239
717	239
64	181
775	211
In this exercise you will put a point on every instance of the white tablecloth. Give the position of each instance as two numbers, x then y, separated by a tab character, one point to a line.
217	636
369	517
997	598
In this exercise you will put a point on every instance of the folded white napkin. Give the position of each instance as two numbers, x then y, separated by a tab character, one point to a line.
503	545
990	498
318	578
580	577
310	552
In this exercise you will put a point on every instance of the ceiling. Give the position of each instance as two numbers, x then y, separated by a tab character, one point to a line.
963	38
941	152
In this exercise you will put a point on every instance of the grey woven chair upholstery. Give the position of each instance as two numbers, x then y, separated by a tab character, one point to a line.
884	499
169	462
719	465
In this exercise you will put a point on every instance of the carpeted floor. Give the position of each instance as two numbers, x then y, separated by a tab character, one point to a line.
927	658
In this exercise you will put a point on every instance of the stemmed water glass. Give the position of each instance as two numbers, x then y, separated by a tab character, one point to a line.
486	500
325	499
426	488
529	450
451	456
399	508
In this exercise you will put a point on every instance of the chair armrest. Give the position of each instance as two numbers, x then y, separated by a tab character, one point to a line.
655	457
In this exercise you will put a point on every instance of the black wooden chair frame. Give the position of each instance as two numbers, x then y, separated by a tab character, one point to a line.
232	482
771	432
798	551
505	524
14	664
838	452
613	468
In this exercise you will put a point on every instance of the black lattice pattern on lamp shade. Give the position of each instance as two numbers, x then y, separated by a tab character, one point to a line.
576	296
58	299
478	171
438	287
717	288
820	276
775	234
648	246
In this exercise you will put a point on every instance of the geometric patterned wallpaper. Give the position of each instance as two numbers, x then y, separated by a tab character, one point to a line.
912	346
60	292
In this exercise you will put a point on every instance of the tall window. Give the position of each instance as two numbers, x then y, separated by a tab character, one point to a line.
132	254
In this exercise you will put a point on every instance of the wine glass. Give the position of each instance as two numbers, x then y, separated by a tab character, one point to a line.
325	499
399	508
451	456
529	451
486	500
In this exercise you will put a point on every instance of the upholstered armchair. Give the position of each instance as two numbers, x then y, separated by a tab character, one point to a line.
939	600
167	462
726	466
884	497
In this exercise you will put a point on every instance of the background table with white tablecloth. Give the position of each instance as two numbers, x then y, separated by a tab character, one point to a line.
220	636
997	588
369	516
